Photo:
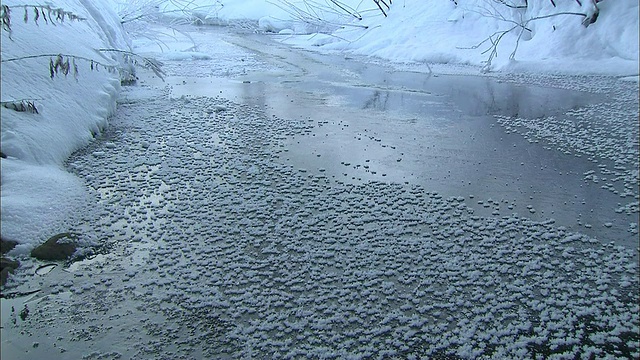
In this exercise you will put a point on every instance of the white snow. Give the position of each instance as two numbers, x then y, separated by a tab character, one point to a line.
443	32
37	193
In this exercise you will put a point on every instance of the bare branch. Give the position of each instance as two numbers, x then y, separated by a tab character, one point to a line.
377	2
497	36
22	105
149	63
66	63
314	13
349	11
503	2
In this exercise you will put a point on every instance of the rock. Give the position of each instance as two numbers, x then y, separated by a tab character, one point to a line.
8	263
7	245
58	247
7	266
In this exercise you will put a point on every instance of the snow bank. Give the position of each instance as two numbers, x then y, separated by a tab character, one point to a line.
609	46
38	195
446	32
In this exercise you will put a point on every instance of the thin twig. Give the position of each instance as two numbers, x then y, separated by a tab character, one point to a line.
55	55
150	63
377	2
503	2
497	36
314	12
184	11
350	11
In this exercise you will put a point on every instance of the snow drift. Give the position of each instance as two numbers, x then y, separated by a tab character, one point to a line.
542	37
38	195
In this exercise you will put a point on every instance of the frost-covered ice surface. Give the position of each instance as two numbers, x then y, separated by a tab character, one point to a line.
247	257
606	133
603	133
219	247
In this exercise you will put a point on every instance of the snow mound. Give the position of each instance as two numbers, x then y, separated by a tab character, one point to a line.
67	112
552	39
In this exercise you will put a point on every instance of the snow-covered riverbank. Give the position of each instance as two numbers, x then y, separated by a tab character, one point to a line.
459	32
39	197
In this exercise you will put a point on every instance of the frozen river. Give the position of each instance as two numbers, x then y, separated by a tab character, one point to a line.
268	202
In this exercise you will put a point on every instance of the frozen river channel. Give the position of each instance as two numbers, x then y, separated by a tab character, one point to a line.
272	202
